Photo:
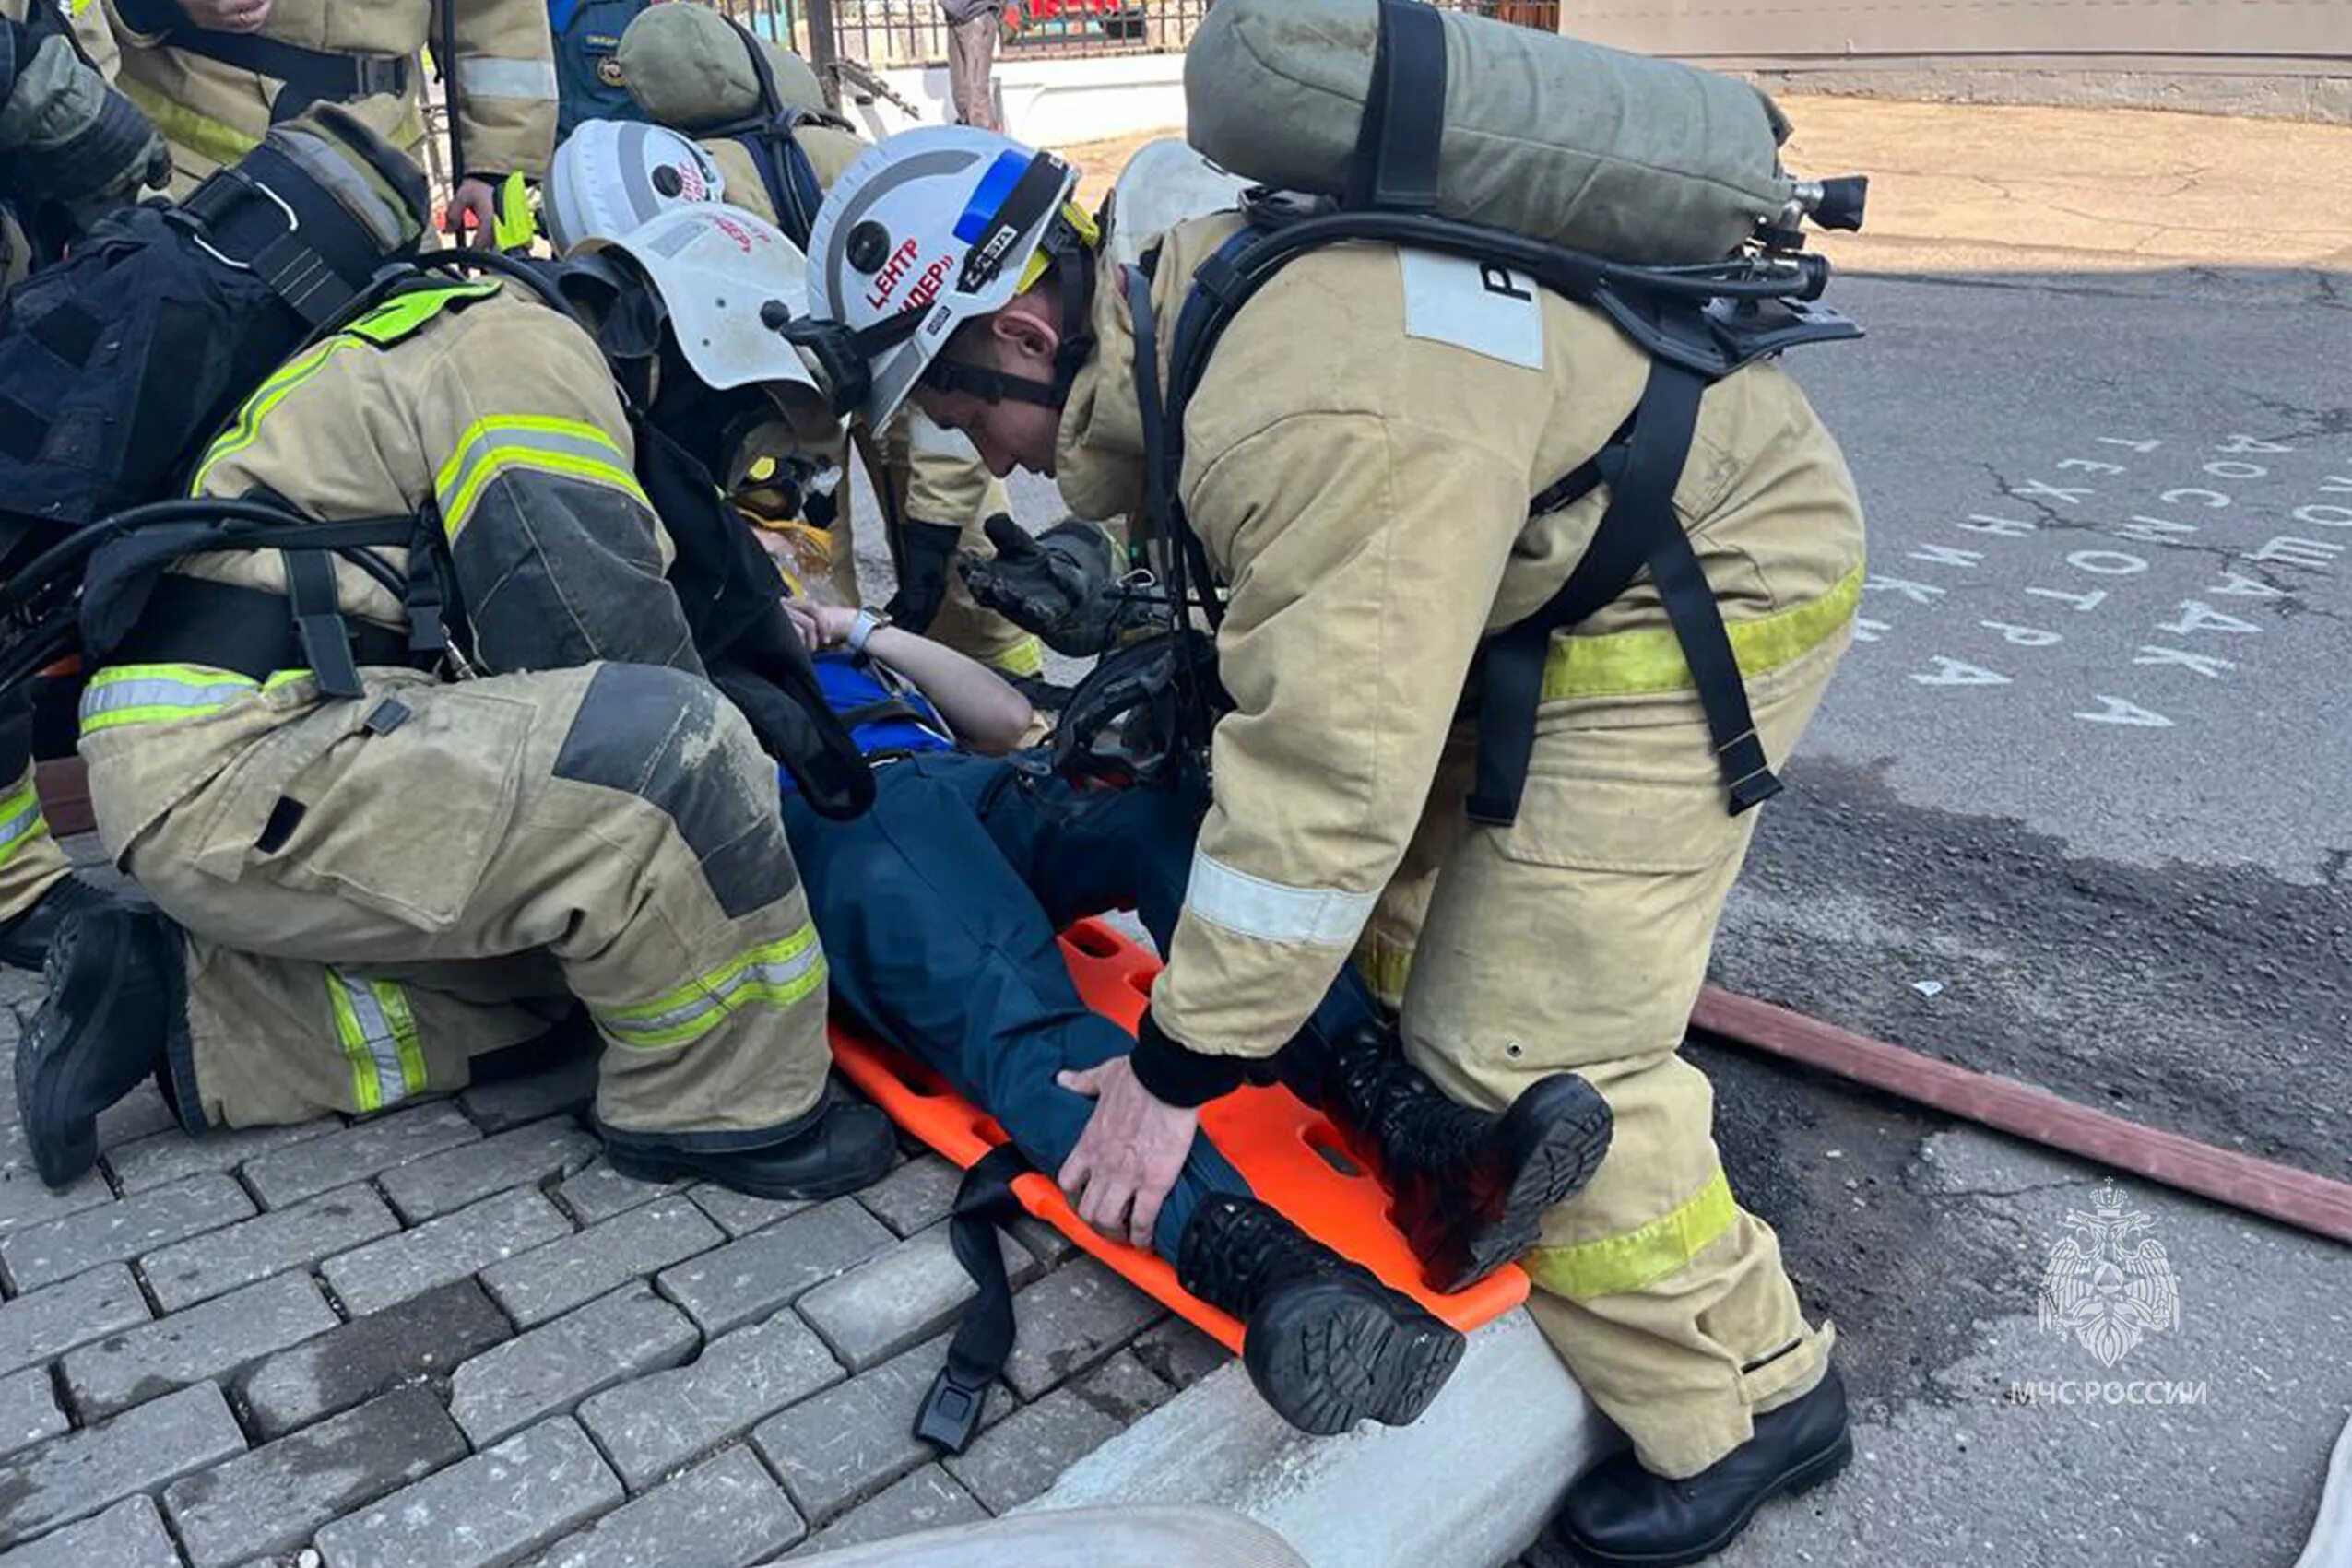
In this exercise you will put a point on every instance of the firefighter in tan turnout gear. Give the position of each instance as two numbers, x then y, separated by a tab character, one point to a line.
213	75
372	876
71	149
1358	461
693	70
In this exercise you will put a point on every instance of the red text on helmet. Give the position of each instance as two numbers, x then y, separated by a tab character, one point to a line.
887	280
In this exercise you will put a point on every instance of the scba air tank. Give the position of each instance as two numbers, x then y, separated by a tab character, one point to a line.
1617	155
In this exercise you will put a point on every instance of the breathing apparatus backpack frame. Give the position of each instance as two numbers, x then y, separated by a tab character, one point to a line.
1697	324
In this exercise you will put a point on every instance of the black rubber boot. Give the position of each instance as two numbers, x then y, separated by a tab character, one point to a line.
115	1001
1471	1187
1326	1343
835	1149
1621	1514
24	940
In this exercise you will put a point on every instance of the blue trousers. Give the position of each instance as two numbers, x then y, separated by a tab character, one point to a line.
938	909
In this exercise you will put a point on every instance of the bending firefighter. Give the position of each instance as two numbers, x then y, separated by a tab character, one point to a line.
769	145
72	148
370	876
1358	463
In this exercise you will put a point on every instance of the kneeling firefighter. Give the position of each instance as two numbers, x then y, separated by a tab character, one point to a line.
1350	435
757	112
372	874
72	149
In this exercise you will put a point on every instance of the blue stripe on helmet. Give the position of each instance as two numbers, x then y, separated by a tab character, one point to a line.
997	185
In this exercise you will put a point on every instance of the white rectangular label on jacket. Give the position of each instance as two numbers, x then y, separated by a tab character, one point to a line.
1486	308
1273	912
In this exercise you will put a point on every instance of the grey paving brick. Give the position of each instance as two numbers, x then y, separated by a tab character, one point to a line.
320	1164
1025	1452
842	1446
931	1499
484	1513
425	1337
552	1368
26	1200
51	1321
384	1273
524	1157
144	1450
272	1499
600	1192
900	1297
29	1411
1123	1388
725	1512
129	1535
740	1214
140	1113
746	1280
211	1265
915	1197
217	1339
174	1156
655	1424
1070	1320
552	1279
38	1255
1178	1353
567	1084
1044	1243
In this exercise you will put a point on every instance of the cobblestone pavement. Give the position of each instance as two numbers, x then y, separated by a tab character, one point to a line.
451	1334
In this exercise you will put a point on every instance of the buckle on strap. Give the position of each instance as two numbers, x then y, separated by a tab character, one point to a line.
1748	776
950	1412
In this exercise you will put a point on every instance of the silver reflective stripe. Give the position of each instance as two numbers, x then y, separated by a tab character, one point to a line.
492	439
717	999
376	1036
102	697
506	78
24	820
1274	912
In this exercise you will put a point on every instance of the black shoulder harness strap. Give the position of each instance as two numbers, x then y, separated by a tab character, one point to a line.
1698	324
985	1203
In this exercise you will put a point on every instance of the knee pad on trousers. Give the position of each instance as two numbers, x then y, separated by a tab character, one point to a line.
669	738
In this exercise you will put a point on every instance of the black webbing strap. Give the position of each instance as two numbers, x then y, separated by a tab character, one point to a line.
194	621
313	75
267	213
985	1204
319	624
1404	113
1639	529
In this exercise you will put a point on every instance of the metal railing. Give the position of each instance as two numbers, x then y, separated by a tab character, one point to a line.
883	34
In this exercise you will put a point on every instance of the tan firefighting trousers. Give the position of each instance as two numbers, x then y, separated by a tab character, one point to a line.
946	486
31	862
376	893
1577	940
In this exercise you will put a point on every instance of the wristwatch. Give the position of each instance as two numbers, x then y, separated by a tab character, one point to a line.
869	621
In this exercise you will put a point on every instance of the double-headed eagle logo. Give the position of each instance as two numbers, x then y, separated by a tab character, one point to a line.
2104	1288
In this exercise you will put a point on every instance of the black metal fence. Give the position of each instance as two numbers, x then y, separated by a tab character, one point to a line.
886	33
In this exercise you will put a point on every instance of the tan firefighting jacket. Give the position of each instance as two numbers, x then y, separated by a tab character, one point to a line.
1358	460
503	80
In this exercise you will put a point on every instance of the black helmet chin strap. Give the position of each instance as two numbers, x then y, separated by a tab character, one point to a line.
1073	273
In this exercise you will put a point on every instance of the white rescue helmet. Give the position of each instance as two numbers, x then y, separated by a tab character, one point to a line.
1165	183
727	281
930	229
612	176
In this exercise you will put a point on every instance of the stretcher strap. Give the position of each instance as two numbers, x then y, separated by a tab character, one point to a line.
985	1204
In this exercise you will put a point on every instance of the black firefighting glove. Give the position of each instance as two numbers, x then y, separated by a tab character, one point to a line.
924	551
1065	586
66	135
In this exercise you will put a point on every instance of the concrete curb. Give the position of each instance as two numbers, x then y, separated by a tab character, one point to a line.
2331	1543
1467	1486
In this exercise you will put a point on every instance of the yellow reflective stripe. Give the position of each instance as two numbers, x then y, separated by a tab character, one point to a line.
1386	969
134	694
495	445
365	1094
774	974
393	1002
1622	664
515	227
183	126
1614	1265
268	395
1026	657
21	822
396	318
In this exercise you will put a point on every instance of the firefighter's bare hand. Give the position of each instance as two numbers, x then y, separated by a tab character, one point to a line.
1129	1155
477	200
227	16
